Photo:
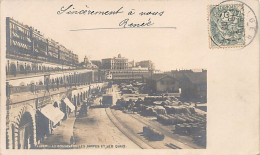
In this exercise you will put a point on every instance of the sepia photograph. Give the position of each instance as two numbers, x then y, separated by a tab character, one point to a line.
54	100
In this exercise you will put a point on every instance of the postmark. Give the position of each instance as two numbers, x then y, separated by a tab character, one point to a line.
232	24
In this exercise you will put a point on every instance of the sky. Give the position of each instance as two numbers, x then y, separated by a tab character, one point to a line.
168	48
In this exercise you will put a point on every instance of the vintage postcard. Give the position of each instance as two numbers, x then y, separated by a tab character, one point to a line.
130	77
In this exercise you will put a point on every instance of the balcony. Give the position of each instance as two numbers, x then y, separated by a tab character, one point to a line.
38	89
27	73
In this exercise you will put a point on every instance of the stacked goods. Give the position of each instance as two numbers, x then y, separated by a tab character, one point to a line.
152	134
175	110
149	111
193	119
141	108
199	118
174	103
151	99
169	109
187	119
135	109
157	102
160	110
180	115
171	119
180	129
174	119
192	110
195	129
166	119
179	110
165	103
179	120
190	128
161	118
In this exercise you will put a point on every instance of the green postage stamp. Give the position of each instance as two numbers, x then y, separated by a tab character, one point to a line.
226	26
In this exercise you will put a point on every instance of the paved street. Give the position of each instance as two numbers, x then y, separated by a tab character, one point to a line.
97	129
62	133
109	128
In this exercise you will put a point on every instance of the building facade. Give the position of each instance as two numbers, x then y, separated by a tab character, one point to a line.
194	86
162	83
146	64
129	74
25	44
44	85
98	63
116	63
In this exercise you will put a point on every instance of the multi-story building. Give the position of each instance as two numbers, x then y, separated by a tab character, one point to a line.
44	85
98	63
28	45
119	69
115	63
146	64
53	50
161	83
131	64
194	86
40	45
129	74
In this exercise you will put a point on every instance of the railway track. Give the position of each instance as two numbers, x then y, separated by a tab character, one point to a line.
134	140
165	132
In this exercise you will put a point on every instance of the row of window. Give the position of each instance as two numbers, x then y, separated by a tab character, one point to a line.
20	37
17	29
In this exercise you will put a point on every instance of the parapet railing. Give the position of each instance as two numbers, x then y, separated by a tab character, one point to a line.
10	90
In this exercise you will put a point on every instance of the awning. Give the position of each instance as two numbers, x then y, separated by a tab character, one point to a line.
69	104
52	113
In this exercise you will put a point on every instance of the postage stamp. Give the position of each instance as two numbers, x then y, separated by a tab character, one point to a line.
232	24
227	25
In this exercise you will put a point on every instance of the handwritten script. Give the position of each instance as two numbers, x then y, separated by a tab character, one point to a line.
145	16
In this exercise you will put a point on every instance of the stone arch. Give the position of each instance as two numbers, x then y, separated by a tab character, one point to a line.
23	127
13	69
61	80
57	80
28	68
22	69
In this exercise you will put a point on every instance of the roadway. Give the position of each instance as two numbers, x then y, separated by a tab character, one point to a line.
104	128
